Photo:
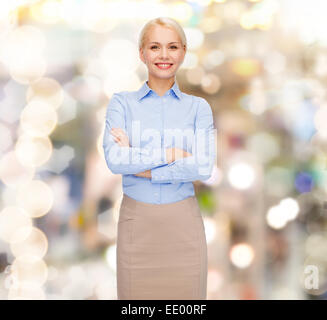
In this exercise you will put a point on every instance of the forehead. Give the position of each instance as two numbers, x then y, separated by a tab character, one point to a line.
162	34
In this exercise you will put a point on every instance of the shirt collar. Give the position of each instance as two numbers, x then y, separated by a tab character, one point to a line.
145	89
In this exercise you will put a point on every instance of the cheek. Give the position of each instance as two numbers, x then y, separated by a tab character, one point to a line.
150	57
178	56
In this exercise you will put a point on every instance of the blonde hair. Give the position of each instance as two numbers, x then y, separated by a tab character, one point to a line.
165	22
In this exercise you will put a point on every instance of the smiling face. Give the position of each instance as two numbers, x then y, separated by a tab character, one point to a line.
163	52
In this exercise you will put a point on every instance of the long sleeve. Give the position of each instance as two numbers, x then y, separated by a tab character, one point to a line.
126	160
198	166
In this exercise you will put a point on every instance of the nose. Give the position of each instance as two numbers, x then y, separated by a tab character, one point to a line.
164	52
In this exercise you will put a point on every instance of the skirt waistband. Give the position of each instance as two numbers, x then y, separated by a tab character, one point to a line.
136	204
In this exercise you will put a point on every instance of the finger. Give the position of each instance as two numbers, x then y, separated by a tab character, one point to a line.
114	131
115	134
120	131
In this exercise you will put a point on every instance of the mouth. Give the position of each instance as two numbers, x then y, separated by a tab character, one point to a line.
163	66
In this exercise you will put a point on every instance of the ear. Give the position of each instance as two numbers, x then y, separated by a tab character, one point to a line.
141	54
184	54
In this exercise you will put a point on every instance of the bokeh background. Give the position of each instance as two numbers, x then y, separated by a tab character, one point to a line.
262	66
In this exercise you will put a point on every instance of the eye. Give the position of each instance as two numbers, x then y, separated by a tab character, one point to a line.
171	47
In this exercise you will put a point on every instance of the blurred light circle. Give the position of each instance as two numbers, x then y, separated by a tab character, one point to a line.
24	41
29	69
29	66
98	19
38	118
316	245
47	12
26	291
213	59
303	182
263	145
210	83
211	24
29	268
290	207
275	62
195	38
241	255
46	89
12	172
215	280
245	67
181	11
111	257
247	22
194	76
36	197
104	291
276	217
71	12
241	175
33	151
11	219
210	229
120	56
29	240
191	60
111	84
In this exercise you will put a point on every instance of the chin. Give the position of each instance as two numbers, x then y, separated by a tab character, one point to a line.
164	75
168	76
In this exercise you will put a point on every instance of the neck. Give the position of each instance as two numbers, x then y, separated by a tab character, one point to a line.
160	86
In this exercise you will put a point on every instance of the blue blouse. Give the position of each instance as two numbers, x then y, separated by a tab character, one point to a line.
154	123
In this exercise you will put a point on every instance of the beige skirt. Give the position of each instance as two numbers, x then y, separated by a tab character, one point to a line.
161	251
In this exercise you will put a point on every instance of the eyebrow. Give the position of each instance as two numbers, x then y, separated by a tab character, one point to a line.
168	43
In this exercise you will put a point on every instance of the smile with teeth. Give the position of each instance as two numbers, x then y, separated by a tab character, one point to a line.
164	65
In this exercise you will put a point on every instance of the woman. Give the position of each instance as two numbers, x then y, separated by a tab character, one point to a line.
161	244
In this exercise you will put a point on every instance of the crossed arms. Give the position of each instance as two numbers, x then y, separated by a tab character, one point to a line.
161	165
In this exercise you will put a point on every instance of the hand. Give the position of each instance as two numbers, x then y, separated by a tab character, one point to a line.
173	154
144	174
120	137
